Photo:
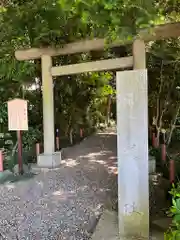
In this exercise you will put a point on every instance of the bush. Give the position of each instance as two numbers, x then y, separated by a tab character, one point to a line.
27	157
173	232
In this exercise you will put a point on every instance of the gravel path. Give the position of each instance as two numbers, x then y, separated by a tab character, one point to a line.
64	203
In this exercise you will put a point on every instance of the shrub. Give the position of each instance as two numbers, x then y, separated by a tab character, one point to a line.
173	232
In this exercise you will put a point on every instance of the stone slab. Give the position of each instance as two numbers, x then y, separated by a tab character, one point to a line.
49	160
107	228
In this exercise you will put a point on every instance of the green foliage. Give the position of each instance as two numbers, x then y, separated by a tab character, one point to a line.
156	152
164	94
174	232
115	18
30	137
80	101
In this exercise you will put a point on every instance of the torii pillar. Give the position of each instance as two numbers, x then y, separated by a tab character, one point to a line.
132	148
49	158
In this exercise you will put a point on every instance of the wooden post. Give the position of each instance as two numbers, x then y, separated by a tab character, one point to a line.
57	140
163	147
57	143
81	133
163	152
132	147
153	139
20	160
172	171
37	149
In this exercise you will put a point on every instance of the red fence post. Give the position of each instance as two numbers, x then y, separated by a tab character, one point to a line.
172	171
57	143
157	142
37	149
57	140
1	161
163	145
163	152
81	133
154	140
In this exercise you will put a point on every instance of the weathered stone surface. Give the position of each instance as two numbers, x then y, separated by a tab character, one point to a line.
107	227
132	132
49	160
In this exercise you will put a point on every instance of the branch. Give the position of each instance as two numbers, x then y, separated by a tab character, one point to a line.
173	126
160	90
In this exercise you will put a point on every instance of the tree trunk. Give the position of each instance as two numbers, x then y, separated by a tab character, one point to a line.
173	125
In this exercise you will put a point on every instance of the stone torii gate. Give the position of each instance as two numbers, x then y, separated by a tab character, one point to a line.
132	119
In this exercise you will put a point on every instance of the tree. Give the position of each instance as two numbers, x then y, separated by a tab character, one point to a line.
164	95
79	100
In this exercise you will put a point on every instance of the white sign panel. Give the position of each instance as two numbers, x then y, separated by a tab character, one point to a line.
17	115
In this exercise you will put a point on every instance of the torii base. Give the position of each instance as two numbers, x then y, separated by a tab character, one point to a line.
49	160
